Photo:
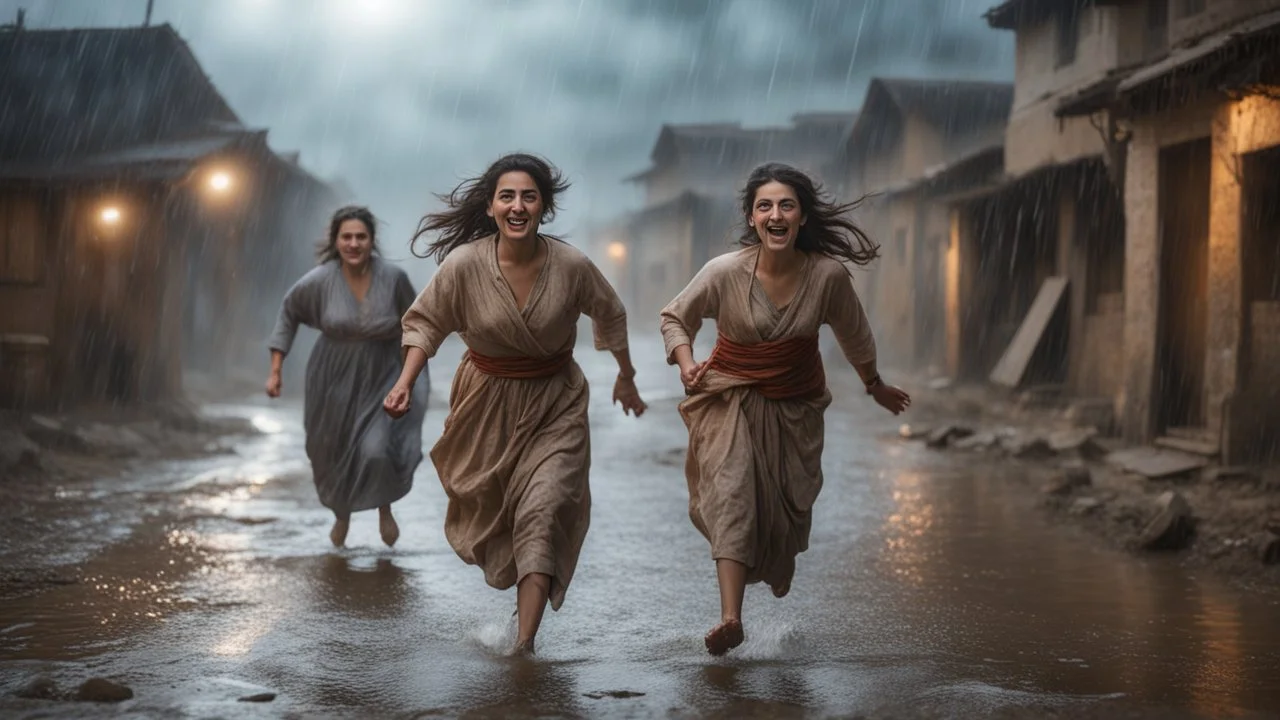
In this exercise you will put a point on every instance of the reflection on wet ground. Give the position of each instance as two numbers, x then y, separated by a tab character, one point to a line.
928	590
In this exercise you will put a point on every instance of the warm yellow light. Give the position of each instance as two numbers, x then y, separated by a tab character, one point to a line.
220	181
110	215
617	251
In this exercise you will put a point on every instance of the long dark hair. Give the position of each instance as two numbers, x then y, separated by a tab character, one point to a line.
467	219
328	249
827	229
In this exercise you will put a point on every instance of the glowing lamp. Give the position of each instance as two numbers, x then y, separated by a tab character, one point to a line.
219	182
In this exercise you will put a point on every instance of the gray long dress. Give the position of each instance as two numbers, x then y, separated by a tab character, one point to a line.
361	458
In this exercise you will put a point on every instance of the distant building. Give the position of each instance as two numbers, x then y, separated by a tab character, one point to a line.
909	130
141	223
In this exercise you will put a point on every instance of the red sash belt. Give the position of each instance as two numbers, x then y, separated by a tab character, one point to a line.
788	369
521	367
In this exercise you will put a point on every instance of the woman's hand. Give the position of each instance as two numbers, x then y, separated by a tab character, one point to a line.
689	373
624	391
273	384
891	398
397	401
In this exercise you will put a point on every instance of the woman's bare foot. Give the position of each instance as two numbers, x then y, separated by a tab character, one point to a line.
338	535
523	648
725	637
387	526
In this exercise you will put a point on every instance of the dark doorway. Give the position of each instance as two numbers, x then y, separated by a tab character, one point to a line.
1183	197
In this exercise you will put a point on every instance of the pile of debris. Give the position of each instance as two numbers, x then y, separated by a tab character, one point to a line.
29	442
1091	475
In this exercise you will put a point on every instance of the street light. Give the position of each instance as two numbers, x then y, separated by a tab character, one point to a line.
110	215
220	182
617	251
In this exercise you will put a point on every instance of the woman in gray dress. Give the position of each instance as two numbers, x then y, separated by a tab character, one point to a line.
360	457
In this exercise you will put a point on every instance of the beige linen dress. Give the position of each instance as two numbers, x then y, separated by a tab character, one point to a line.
754	466
515	453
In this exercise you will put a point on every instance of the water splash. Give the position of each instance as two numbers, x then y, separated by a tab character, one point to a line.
496	638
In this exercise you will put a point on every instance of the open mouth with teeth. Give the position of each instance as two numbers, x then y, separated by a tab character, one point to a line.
517	223
777	232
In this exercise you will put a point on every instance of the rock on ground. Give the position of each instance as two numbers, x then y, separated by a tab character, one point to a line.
102	690
1172	527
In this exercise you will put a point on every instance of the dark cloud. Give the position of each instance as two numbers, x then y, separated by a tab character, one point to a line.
401	98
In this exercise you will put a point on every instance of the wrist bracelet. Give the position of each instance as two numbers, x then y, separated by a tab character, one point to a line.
873	382
632	376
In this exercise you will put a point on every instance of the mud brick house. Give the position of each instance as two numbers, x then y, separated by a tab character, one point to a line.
1036	264
1183	101
143	226
907	132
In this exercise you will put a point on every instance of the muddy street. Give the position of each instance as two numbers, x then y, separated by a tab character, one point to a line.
928	590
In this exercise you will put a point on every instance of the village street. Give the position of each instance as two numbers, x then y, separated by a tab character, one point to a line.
928	590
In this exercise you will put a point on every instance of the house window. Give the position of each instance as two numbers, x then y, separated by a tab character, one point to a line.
1068	36
1188	8
21	238
1157	31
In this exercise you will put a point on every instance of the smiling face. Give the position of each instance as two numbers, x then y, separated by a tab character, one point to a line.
776	216
354	243
516	206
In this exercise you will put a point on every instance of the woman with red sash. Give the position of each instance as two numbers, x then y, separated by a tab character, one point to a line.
515	452
755	405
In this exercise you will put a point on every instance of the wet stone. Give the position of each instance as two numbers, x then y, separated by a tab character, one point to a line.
1031	447
50	434
41	688
976	442
45	422
111	440
258	698
1156	464
101	690
1070	440
17	450
940	437
1172	526
1268	545
1068	480
1085	505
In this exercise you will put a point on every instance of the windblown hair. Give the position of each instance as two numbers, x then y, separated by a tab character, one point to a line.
827	229
328	249
467	219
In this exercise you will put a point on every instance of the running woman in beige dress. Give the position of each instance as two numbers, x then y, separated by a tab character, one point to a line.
755	405
515	452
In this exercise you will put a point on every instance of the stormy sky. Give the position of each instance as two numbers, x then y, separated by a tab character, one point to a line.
402	98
